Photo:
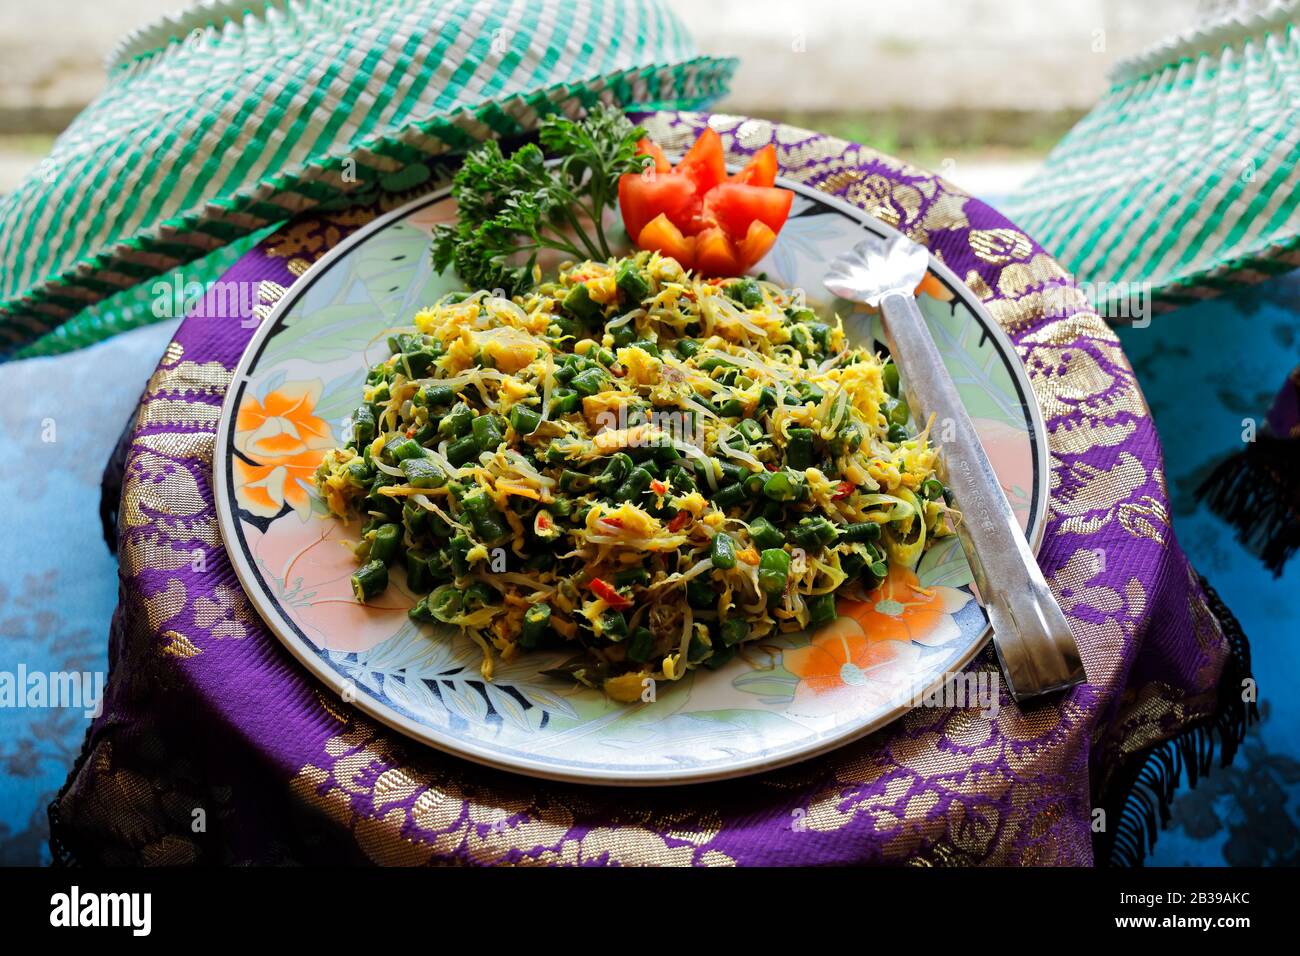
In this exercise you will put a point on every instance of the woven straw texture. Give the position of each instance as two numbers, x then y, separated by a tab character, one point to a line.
1183	180
235	116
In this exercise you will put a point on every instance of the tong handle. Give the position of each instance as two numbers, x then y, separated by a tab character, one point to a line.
1032	638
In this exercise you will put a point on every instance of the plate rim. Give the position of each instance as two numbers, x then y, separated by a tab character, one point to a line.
474	752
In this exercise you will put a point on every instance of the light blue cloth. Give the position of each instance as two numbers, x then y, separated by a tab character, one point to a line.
59	422
1205	369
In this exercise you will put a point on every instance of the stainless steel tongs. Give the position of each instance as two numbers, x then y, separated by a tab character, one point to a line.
1033	640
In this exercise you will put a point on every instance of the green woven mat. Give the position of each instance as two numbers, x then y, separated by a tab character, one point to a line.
1184	179
235	115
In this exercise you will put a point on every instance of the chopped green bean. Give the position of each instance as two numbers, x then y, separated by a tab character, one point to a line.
889	377
773	570
799	449
363	427
630	577
747	292
436	395
589	382
634	484
640	645
821	609
765	534
385	543
463	450
734	630
579	303
722	551
897	411
861	531
729	497
616	470
418	576
574	481
613	626
631	283
537	621
524	420
423	473
406	449
457	421
488	432
488	522
700	593
565	401
752	430
445	604
370	580
781	486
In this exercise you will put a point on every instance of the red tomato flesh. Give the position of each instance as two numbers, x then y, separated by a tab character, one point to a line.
644	196
760	171
647	147
704	163
695	213
733	206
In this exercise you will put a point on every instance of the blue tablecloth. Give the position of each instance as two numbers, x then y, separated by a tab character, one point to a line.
59	421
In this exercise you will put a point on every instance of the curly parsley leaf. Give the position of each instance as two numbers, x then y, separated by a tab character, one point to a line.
510	208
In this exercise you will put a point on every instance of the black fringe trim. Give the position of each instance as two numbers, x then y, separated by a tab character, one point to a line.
1257	491
62	855
1138	799
110	485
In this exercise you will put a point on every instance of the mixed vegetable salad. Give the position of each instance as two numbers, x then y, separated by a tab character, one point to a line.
648	466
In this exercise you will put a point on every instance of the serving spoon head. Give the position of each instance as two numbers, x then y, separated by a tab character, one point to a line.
877	266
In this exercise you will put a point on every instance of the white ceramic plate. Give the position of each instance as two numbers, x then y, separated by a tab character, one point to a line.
782	701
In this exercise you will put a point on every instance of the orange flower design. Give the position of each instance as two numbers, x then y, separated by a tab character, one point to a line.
841	655
281	441
284	424
901	610
265	489
873	640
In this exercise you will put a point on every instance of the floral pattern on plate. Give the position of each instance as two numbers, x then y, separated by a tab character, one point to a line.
780	700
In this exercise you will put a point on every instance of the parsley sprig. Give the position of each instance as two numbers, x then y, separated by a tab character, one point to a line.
510	208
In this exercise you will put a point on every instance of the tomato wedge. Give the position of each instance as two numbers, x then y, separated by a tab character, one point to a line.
660	235
733	206
715	254
642	197
645	146
757	243
716	224
704	163
761	170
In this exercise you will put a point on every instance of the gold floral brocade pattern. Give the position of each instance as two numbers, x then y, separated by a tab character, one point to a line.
404	812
